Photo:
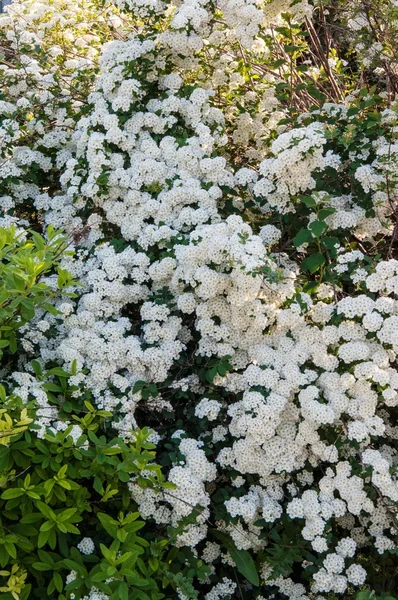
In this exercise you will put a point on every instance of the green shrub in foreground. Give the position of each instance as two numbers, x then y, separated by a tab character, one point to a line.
60	490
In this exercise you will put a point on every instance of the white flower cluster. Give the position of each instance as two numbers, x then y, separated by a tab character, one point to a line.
86	546
221	590
297	155
208	408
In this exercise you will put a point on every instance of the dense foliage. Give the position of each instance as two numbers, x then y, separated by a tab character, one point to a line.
211	356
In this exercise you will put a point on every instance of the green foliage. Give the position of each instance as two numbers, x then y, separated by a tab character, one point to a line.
217	367
58	489
243	560
371	595
9	426
24	261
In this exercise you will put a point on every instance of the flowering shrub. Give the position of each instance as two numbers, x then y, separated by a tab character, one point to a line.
67	485
227	175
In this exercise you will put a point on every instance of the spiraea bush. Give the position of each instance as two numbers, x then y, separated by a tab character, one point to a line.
226	360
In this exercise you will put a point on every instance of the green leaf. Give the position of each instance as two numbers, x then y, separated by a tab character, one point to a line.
46	510
123	591
245	565
242	558
330	242
58	582
317	228
25	593
66	514
13	343
38	240
153	563
69	527
326	212
97	485
112	450
313	262
51	309
40	566
366	595
33	495
10	548
315	93
27	309
123	558
51	387
12	493
130	518
308	201
57	371
311	286
75	566
19	282
303	237
106	552
36	366
47	525
45	557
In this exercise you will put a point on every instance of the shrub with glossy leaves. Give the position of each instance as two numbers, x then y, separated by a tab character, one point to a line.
68	528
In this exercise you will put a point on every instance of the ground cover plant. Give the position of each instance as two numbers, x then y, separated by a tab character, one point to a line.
199	300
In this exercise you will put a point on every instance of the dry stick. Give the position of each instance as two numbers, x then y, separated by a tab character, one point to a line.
393	238
359	244
238	583
2	483
315	40
325	29
377	30
246	64
393	208
308	98
333	284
